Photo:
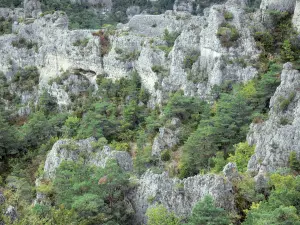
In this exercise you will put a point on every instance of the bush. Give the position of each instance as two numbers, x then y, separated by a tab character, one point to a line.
228	15
189	60
265	40
228	35
294	162
5	26
82	43
23	43
159	215
165	155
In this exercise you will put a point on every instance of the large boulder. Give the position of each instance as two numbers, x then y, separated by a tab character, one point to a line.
296	16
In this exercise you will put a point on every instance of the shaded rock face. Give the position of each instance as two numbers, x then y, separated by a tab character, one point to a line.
179	195
277	137
73	150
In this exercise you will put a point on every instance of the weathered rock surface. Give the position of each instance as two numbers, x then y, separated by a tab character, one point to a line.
166	138
73	150
32	8
280	5
179	195
296	16
140	41
277	137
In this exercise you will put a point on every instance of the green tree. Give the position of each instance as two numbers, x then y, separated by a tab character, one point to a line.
159	215
96	194
241	156
205	212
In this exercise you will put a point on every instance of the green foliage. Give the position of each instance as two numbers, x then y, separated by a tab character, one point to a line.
5	26
228	35
264	40
96	195
221	132
159	215
128	57
71	126
219	162
287	53
189	60
294	163
285	102
205	212
81	43
165	155
170	37
8	139
282	206
23	43
47	103
228	15
242	154
26	79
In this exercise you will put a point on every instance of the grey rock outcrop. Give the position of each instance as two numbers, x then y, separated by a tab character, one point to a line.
132	11
141	40
231	172
179	196
184	5
166	138
73	150
280	5
296	16
32	8
277	137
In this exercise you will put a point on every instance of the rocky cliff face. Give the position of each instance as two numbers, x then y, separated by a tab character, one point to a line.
83	150
140	45
179	195
277	137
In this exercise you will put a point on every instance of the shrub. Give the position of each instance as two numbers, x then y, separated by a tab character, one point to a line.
165	155
23	43
127	57
157	69
170	37
285	102
81	43
228	15
228	34
294	163
159	215
5	26
189	60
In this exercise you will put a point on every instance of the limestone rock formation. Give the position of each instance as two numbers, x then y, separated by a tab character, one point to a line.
73	150
166	138
32	8
277	137
296	16
184	5
280	5
139	45
179	195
